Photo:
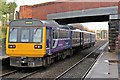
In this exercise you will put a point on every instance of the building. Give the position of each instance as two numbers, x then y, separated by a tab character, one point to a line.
102	34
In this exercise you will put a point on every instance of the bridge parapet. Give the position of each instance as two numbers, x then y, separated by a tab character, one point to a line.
40	11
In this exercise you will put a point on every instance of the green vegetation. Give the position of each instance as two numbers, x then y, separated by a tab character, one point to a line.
6	14
11	8
5	10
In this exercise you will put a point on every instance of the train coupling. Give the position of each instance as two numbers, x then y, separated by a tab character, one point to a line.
24	60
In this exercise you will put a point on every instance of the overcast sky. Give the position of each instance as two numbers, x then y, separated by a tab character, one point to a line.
28	2
91	25
96	25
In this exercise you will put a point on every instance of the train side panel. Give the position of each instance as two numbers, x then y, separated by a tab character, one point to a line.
62	41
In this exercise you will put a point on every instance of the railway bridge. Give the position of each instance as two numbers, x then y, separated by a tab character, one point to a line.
78	12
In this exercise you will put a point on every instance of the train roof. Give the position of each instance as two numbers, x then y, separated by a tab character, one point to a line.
76	30
50	23
25	22
92	33
88	32
65	27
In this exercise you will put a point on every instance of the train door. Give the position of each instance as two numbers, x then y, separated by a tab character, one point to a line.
49	40
91	39
80	39
71	36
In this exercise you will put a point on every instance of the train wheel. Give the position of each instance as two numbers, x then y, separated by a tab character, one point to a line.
45	62
71	52
59	56
63	56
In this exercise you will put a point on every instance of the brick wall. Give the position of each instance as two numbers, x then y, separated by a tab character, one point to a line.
119	7
40	11
26	12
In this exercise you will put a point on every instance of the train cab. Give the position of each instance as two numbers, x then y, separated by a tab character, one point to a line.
26	40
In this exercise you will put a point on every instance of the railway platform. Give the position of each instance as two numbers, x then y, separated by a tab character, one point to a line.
2	56
107	66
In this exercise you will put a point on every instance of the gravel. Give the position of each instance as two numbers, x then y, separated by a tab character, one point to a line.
6	67
79	70
55	69
58	67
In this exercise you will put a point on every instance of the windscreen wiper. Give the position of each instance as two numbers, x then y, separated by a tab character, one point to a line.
12	30
36	30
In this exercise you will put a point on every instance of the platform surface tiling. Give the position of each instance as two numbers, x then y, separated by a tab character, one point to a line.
105	67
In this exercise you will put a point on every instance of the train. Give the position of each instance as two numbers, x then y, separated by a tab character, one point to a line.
35	43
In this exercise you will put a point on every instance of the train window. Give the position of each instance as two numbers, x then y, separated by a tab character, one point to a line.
67	34
13	35
25	35
54	34
76	35
59	33
37	36
48	33
63	34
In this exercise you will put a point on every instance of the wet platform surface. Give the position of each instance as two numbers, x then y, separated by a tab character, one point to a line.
105	67
0	52
3	55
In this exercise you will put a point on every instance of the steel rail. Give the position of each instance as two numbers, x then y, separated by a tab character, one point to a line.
9	73
23	77
58	77
84	76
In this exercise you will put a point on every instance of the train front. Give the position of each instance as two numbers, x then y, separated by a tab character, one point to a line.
26	43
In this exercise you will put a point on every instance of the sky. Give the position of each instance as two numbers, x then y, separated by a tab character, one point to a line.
28	2
90	25
96	25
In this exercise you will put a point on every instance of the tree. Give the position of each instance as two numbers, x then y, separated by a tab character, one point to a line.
4	10
11	8
0	10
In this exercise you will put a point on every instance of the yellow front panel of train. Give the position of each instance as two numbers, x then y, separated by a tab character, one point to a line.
26	49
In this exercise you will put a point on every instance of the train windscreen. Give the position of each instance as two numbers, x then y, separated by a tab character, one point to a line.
13	35
20	34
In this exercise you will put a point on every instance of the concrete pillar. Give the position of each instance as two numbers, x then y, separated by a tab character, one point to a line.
114	32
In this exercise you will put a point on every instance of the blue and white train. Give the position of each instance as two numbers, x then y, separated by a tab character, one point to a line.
33	43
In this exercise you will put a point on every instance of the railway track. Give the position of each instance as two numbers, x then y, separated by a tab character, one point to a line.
8	73
96	58
80	61
24	74
19	74
84	76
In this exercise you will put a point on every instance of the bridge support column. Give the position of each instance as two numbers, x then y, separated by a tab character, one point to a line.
114	32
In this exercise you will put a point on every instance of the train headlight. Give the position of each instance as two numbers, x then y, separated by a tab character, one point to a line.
11	46
38	46
109	47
